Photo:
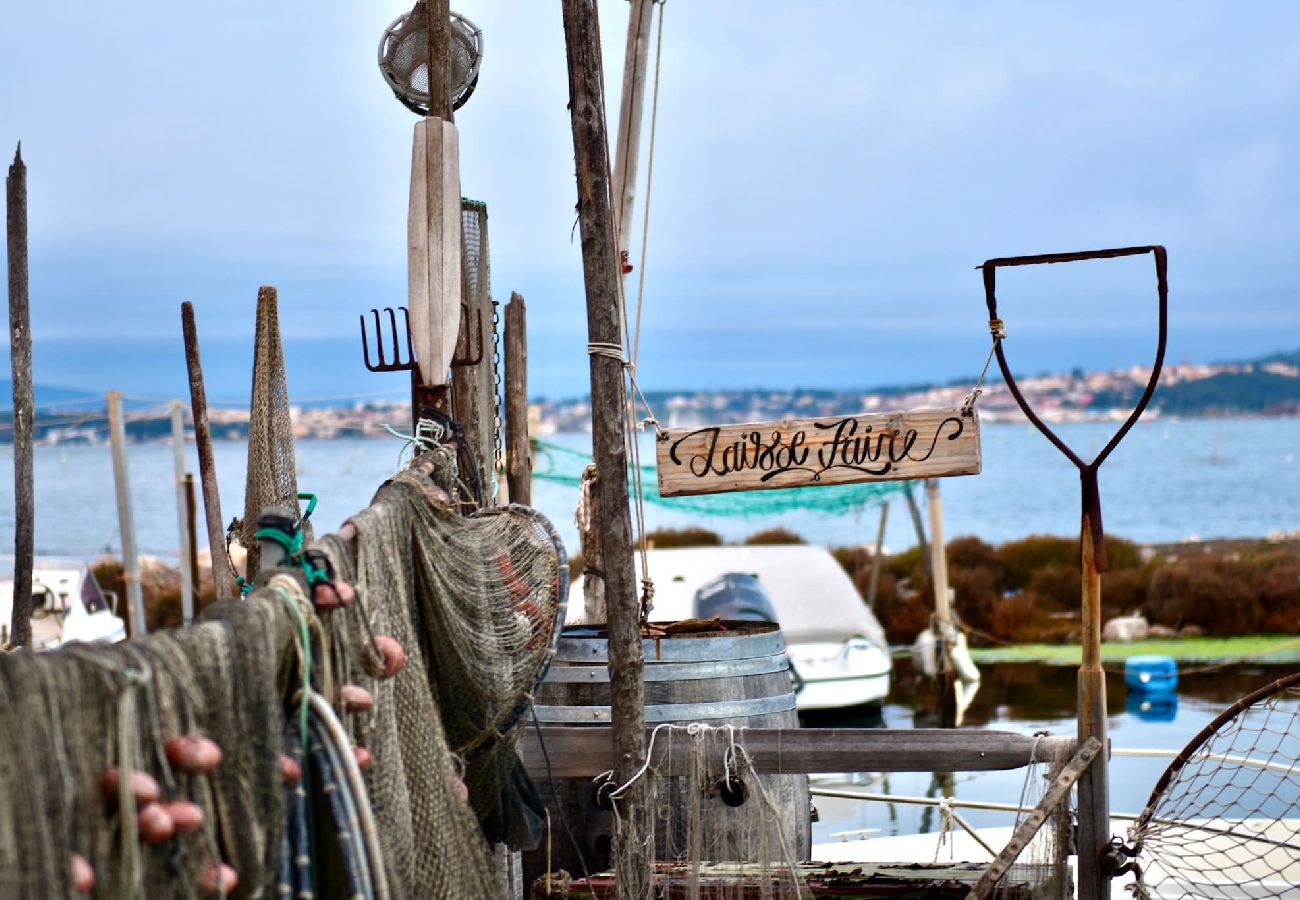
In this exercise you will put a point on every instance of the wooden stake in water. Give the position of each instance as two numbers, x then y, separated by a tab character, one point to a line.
222	578
121	478
20	359
183	523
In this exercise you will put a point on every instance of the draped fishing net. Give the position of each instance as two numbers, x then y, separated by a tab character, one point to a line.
1224	819
271	478
476	602
564	465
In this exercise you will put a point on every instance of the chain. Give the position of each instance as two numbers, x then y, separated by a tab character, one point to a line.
497	448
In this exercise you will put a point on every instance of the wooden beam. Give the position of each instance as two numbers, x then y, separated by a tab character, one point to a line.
630	109
609	436
433	231
519	463
586	751
20	360
1026	830
439	34
183	522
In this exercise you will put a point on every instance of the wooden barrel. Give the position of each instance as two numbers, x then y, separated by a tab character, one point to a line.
739	677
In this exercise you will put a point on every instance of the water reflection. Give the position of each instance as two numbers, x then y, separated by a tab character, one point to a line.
1026	698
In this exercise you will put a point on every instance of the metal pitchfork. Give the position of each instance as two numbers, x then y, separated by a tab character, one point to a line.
1095	866
424	398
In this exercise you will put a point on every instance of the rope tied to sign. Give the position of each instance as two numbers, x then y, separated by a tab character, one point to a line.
999	333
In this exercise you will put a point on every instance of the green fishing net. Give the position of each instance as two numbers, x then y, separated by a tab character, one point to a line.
564	465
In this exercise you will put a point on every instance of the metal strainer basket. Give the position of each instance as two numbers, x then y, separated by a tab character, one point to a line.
404	58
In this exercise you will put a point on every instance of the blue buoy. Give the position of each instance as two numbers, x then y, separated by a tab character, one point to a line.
1151	673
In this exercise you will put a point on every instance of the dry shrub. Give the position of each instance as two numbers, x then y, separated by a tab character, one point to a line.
1015	619
1025	558
1055	588
774	536
1211	592
903	613
663	538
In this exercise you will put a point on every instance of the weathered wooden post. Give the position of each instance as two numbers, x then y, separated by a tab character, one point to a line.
873	584
1095	868
942	606
126	522
519	464
20	361
222	578
608	426
183	523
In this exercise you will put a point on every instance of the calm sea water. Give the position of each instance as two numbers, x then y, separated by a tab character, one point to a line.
1026	698
1168	481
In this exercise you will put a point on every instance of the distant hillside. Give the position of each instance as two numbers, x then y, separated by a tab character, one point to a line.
52	397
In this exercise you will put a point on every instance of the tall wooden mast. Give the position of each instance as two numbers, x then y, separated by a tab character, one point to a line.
608	427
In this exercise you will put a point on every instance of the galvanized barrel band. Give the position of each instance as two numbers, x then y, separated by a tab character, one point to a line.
671	712
686	671
668	649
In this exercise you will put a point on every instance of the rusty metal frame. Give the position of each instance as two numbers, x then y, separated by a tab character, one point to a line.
1087	470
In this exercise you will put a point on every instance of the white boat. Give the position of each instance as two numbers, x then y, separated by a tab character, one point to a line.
836	646
67	604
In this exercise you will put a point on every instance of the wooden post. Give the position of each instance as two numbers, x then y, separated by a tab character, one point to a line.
122	479
519	464
942	609
20	360
876	563
608	426
222	578
192	533
1094	787
630	109
938	558
593	554
182	522
439	13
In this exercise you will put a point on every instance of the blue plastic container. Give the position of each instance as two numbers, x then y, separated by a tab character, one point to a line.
1151	673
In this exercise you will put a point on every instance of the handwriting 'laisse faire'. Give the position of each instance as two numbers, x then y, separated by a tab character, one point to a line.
916	444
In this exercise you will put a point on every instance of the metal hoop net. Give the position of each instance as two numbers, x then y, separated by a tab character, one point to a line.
404	58
1224	819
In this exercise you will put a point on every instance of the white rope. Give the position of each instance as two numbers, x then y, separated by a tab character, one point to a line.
605	777
945	828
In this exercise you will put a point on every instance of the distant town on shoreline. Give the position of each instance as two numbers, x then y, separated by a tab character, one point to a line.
1268	386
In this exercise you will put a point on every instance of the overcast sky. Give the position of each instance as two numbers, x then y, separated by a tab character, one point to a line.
827	175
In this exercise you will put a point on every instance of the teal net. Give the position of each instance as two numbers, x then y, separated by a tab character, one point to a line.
564	465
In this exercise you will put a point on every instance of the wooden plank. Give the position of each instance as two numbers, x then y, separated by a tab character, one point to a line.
584	751
433	227
919	443
20	360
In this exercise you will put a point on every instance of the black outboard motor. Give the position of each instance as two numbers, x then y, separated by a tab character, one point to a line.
735	595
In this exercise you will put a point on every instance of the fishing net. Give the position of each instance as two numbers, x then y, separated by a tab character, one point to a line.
1224	819
564	465
475	389
272	478
476	603
89	707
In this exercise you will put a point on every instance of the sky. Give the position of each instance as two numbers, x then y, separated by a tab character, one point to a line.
827	175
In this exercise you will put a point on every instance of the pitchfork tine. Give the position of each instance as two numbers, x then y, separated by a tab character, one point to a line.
384	363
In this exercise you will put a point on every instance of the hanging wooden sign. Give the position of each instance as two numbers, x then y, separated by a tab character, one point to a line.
918	443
